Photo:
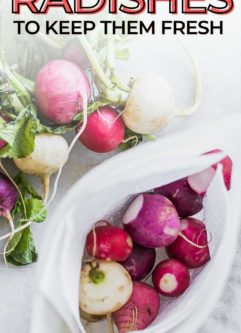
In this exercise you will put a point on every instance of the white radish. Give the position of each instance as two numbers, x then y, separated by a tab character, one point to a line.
105	286
151	104
49	155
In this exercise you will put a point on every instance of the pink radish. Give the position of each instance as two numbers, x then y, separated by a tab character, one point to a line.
109	243
199	182
186	201
61	90
104	132
152	220
171	278
191	246
140	311
2	144
140	262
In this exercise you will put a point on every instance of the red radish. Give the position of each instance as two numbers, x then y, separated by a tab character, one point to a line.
109	243
104	132
152	220
141	309
141	261
61	90
227	168
199	182
191	246
186	201
74	52
171	278
2	144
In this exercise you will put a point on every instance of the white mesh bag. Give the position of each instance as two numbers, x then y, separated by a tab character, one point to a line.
104	191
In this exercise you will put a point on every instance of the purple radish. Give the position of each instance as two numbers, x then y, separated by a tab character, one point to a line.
186	201
8	198
152	220
199	182
191	246
140	263
171	278
140	311
62	90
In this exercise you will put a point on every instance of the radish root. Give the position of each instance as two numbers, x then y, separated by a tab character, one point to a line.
110	323
46	183
195	244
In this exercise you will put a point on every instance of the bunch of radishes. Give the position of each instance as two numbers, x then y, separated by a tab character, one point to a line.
120	258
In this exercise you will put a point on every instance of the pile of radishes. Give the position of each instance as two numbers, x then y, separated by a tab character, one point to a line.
120	260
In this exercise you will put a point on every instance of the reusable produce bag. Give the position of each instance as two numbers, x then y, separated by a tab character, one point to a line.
104	193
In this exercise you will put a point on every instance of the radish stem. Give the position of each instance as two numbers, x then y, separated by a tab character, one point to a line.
94	62
110	323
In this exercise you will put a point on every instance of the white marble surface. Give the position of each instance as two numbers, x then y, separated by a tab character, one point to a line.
220	62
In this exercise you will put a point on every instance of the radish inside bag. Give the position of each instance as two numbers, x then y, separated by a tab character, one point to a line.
104	193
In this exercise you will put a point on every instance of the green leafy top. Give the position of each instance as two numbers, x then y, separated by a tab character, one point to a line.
21	248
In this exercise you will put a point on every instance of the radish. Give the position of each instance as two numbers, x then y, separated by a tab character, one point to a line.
227	165
191	246
74	52
109	243
141	309
49	155
105	286
141	261
8	198
104	132
61	90
186	201
171	278
2	144
199	182
150	105
152	220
